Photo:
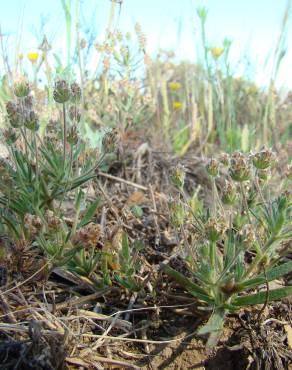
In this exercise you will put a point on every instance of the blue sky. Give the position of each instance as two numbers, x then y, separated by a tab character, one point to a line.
252	25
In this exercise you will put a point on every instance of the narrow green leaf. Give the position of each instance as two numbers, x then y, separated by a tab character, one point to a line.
125	247
272	274
191	287
214	327
89	213
259	298
10	224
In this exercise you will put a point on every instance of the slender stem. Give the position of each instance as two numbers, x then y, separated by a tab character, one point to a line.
216	197
26	143
257	259
36	161
212	254
214	206
259	189
267	297
245	203
64	133
36	153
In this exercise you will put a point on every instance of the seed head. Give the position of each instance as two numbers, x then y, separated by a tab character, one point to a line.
178	176
177	213
88	235
21	87
10	136
224	159
61	92
14	114
239	169
28	102
214	229
72	137
264	175
74	114
229	193
263	159
110	140
75	92
247	235
31	121
53	221
32	223
213	167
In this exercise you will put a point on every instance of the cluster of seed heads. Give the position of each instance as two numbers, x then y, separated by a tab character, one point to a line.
110	141
63	92
88	236
20	112
214	229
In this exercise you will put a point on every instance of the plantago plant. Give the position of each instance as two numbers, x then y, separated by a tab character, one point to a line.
240	239
42	171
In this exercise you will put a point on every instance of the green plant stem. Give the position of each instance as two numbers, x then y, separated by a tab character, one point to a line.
259	256
245	204
216	197
36	159
212	254
214	206
64	133
26	143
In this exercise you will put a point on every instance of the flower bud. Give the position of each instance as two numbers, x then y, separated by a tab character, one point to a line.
230	286
61	92
216	52
265	261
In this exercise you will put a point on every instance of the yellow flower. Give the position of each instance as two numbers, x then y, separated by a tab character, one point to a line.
216	52
177	105
174	86
252	89
33	57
